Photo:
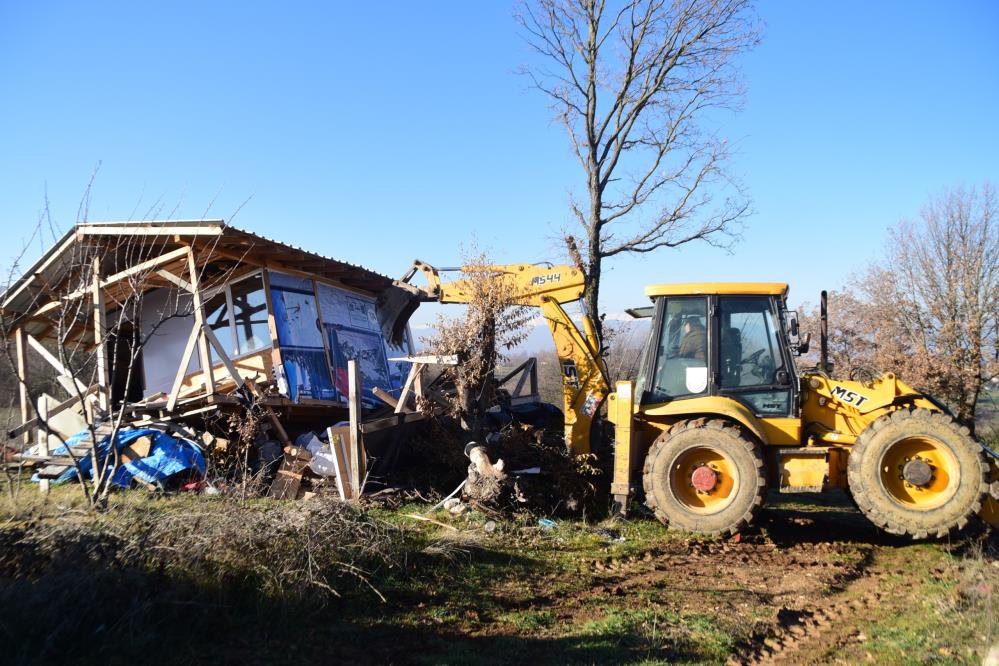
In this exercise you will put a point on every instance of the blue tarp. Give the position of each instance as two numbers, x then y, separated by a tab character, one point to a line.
167	456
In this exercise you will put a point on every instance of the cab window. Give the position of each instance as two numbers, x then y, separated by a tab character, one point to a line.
750	353
681	367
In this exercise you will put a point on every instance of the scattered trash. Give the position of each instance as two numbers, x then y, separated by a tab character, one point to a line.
609	534
490	526
529	470
455	506
547	523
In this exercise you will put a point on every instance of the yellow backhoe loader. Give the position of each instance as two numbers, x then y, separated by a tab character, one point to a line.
719	413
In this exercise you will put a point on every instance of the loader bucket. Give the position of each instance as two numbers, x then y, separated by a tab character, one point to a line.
395	306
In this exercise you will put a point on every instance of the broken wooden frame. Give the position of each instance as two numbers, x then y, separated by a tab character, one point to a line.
172	255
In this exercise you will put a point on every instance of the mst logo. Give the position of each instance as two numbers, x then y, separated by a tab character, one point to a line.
551	278
848	397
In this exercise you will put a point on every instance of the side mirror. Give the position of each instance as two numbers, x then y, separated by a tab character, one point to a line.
803	344
792	324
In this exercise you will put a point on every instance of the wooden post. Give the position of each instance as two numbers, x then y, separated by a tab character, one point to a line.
207	375
276	359
43	438
100	329
415	370
357	462
22	384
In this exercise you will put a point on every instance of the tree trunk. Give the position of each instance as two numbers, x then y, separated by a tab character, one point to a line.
591	297
476	394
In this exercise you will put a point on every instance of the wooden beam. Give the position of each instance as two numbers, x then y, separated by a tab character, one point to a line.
173	279
208	376
22	383
357	461
226	361
54	362
185	361
385	397
414	371
112	279
43	440
145	266
100	328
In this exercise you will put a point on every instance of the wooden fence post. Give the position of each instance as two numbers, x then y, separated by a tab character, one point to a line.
357	462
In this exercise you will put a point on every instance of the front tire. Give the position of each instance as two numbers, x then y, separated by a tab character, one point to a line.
704	476
917	472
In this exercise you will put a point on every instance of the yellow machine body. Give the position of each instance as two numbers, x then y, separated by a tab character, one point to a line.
547	287
805	452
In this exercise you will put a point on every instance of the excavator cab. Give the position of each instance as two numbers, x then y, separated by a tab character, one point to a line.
726	343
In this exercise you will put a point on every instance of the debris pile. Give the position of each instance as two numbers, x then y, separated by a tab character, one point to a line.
522	469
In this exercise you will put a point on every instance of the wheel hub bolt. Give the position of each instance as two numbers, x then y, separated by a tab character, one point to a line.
917	472
704	478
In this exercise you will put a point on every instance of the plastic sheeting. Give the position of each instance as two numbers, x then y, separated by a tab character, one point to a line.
168	455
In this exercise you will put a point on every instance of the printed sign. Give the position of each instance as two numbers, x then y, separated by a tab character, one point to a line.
848	397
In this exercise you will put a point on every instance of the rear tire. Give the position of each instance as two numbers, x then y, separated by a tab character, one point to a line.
731	488
889	487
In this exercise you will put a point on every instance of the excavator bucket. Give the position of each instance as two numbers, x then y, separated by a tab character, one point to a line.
395	306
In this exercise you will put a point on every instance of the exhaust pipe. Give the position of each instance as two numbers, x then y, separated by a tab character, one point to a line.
824	331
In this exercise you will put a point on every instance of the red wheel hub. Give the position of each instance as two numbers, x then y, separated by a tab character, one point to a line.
704	478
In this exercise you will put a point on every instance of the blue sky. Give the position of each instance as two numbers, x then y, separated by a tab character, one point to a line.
383	132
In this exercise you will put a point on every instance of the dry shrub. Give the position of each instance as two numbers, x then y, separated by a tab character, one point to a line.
143	578
492	324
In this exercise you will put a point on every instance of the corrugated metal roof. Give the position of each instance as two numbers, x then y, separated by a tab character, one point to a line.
18	297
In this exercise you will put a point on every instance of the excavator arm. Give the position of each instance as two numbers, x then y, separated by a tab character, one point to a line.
548	288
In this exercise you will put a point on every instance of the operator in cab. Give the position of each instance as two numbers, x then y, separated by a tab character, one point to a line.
694	343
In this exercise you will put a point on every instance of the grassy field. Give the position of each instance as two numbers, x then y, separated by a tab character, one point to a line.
187	579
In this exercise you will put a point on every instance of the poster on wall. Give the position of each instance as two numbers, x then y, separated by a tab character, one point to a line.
302	353
351	324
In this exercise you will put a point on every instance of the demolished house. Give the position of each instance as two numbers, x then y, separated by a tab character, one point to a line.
178	325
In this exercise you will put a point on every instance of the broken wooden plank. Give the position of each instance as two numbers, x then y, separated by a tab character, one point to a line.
391	421
14	432
429	359
288	479
385	397
338	447
52	471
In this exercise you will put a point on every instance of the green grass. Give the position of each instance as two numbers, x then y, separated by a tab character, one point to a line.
519	593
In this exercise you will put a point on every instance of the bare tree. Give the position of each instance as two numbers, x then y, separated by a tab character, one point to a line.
930	310
937	297
632	84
